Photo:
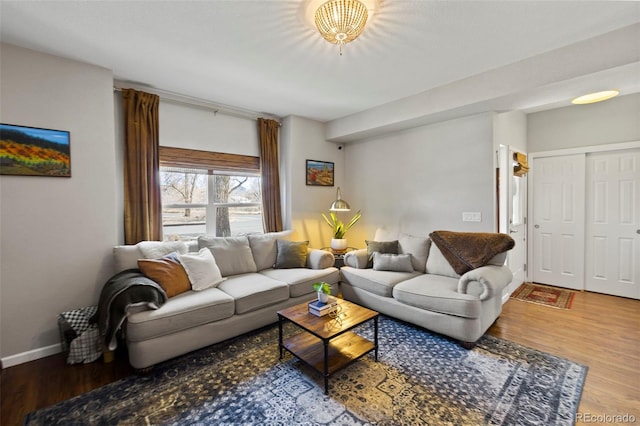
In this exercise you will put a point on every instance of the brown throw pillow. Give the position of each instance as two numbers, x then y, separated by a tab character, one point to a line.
168	272
390	247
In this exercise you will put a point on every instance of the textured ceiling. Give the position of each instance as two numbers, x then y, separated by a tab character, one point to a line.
264	56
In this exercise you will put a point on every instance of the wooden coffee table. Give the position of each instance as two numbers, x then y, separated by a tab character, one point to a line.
327	344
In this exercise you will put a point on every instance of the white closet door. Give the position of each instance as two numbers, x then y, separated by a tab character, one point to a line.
613	223
558	220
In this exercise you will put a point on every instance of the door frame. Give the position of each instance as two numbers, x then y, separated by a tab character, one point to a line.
567	151
505	209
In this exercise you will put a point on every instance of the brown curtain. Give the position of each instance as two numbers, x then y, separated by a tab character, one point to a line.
269	169
142	205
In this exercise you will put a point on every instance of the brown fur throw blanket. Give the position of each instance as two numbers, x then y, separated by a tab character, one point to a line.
470	250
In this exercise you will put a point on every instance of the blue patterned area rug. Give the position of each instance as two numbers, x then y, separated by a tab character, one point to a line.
420	378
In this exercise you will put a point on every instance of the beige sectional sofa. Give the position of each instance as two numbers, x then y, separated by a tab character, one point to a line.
251	292
427	292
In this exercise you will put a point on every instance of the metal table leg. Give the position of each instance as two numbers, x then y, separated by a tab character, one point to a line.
326	366
375	337
280	321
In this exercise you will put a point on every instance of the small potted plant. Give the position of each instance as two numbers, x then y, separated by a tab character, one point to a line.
340	229
324	290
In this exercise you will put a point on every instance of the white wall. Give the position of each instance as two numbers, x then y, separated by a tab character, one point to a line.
510	128
420	180
613	121
56	233
303	139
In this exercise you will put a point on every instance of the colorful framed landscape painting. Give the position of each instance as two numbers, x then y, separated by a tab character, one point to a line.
30	151
319	173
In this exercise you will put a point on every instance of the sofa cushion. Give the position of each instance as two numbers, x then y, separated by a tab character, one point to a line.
376	282
300	280
254	291
168	272
418	247
232	254
380	247
263	247
157	249
438	294
392	262
498	259
202	269
186	310
291	254
437	264
386	234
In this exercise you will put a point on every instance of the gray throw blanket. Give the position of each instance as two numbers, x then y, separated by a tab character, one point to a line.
126	288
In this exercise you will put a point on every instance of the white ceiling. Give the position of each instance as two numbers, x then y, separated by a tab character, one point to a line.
264	56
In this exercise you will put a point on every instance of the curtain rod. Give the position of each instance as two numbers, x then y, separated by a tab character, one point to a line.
200	103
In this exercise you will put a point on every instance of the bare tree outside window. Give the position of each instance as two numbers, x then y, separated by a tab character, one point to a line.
235	203
183	184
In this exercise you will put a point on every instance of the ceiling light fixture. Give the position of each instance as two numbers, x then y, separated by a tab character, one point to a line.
341	21
595	97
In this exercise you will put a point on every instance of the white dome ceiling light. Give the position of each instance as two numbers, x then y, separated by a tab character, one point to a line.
592	98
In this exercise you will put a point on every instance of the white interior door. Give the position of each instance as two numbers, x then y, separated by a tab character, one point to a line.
613	223
558	220
513	219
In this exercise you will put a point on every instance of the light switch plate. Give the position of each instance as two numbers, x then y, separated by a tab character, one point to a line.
471	216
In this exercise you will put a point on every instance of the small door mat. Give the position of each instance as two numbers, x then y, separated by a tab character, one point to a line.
543	295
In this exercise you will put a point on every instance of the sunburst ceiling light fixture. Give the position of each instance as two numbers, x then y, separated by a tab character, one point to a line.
595	97
341	21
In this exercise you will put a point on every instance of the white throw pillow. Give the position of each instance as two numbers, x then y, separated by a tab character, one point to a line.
202	270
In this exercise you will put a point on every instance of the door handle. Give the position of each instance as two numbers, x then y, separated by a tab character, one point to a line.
536	226
513	231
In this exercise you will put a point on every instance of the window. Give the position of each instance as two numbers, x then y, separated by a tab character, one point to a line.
209	193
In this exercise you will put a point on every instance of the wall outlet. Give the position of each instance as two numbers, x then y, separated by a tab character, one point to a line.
471	217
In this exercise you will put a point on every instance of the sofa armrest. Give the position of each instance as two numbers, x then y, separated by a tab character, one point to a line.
490	281
357	259
319	259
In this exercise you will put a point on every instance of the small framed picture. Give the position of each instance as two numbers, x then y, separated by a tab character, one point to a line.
319	173
31	151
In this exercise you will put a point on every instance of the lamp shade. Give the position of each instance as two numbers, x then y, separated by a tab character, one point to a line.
339	205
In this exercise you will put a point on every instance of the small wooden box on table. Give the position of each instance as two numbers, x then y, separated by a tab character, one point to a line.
327	344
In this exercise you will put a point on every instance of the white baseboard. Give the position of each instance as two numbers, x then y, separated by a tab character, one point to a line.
31	355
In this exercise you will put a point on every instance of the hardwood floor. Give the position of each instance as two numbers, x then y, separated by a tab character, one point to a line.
601	332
